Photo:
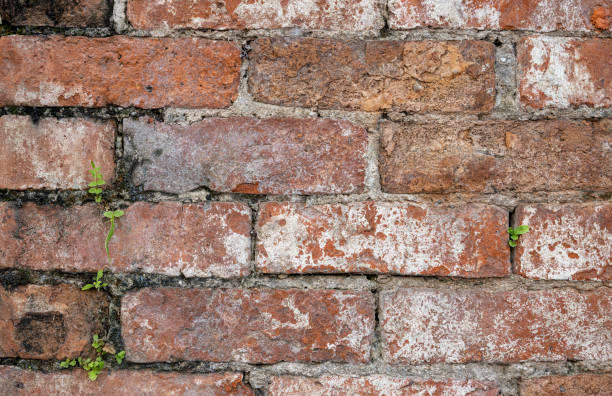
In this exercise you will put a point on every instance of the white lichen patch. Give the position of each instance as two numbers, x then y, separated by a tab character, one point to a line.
565	241
457	14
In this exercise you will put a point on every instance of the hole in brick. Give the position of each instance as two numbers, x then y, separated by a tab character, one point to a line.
497	43
41	332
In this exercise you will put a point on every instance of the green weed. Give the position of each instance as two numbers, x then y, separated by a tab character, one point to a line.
515	232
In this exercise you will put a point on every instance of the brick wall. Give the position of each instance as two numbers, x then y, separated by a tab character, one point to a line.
316	196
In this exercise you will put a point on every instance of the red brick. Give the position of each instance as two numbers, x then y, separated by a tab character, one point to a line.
536	15
459	326
353	15
247	325
378	237
420	76
563	72
49	322
52	153
59	13
571	385
247	155
168	238
374	385
571	241
16	381
493	156
124	71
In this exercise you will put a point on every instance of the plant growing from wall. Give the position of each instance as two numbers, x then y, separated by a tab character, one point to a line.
515	232
96	365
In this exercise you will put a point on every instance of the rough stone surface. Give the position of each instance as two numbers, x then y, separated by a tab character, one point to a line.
536	15
563	72
438	76
377	237
459	326
579	385
247	155
374	385
52	153
16	381
124	71
571	241
58	13
493	156
168	238
247	325
351	15
49	322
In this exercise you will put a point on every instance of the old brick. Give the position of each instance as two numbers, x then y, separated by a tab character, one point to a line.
59	13
378	237
168	238
353	15
374	385
247	325
492	156
536	15
16	381
49	322
439	76
54	153
578	385
123	71
460	326
247	155
562	72
571	241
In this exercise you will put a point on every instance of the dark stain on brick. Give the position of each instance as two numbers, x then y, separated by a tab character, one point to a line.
41	332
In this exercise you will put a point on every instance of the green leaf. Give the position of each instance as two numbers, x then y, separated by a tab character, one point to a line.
512	243
104	284
92	184
510	230
109	214
93	375
120	356
98	199
101	182
92	190
514	237
111	231
520	230
118	213
87	286
100	274
65	364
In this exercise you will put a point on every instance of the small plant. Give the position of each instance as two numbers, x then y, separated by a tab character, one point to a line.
515	232
95	366
97	282
112	215
96	183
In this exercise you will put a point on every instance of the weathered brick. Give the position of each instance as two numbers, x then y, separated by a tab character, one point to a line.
571	241
379	237
374	385
420	76
460	326
353	15
536	15
247	155
563	72
247	325
578	385
59	13
49	322
52	153
16	381
168	238
124	71
492	156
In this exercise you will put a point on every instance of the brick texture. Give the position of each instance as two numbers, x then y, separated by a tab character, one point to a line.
15	381
168	238
459	326
52	153
247	325
584	384
493	156
351	15
247	155
422	76
123	71
572	241
376	385
373	237
536	15
563	72
49	322
58	13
